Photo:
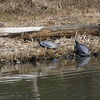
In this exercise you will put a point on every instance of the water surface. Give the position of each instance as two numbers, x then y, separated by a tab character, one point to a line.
58	79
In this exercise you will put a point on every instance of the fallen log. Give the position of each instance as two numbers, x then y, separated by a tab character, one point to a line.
18	30
68	30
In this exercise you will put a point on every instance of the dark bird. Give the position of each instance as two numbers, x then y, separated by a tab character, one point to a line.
81	49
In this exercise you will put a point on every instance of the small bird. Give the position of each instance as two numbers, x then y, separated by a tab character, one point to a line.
81	49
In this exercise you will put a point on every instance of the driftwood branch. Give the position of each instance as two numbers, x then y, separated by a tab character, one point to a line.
68	30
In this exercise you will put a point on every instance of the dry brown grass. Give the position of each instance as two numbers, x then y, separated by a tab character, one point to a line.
49	12
20	50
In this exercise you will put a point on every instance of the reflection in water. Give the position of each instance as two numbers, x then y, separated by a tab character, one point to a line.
59	80
82	61
84	86
75	86
19	90
49	67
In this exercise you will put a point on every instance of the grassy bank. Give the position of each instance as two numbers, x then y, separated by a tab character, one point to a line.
20	50
46	13
49	12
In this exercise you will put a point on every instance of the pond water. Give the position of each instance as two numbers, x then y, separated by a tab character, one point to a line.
58	79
